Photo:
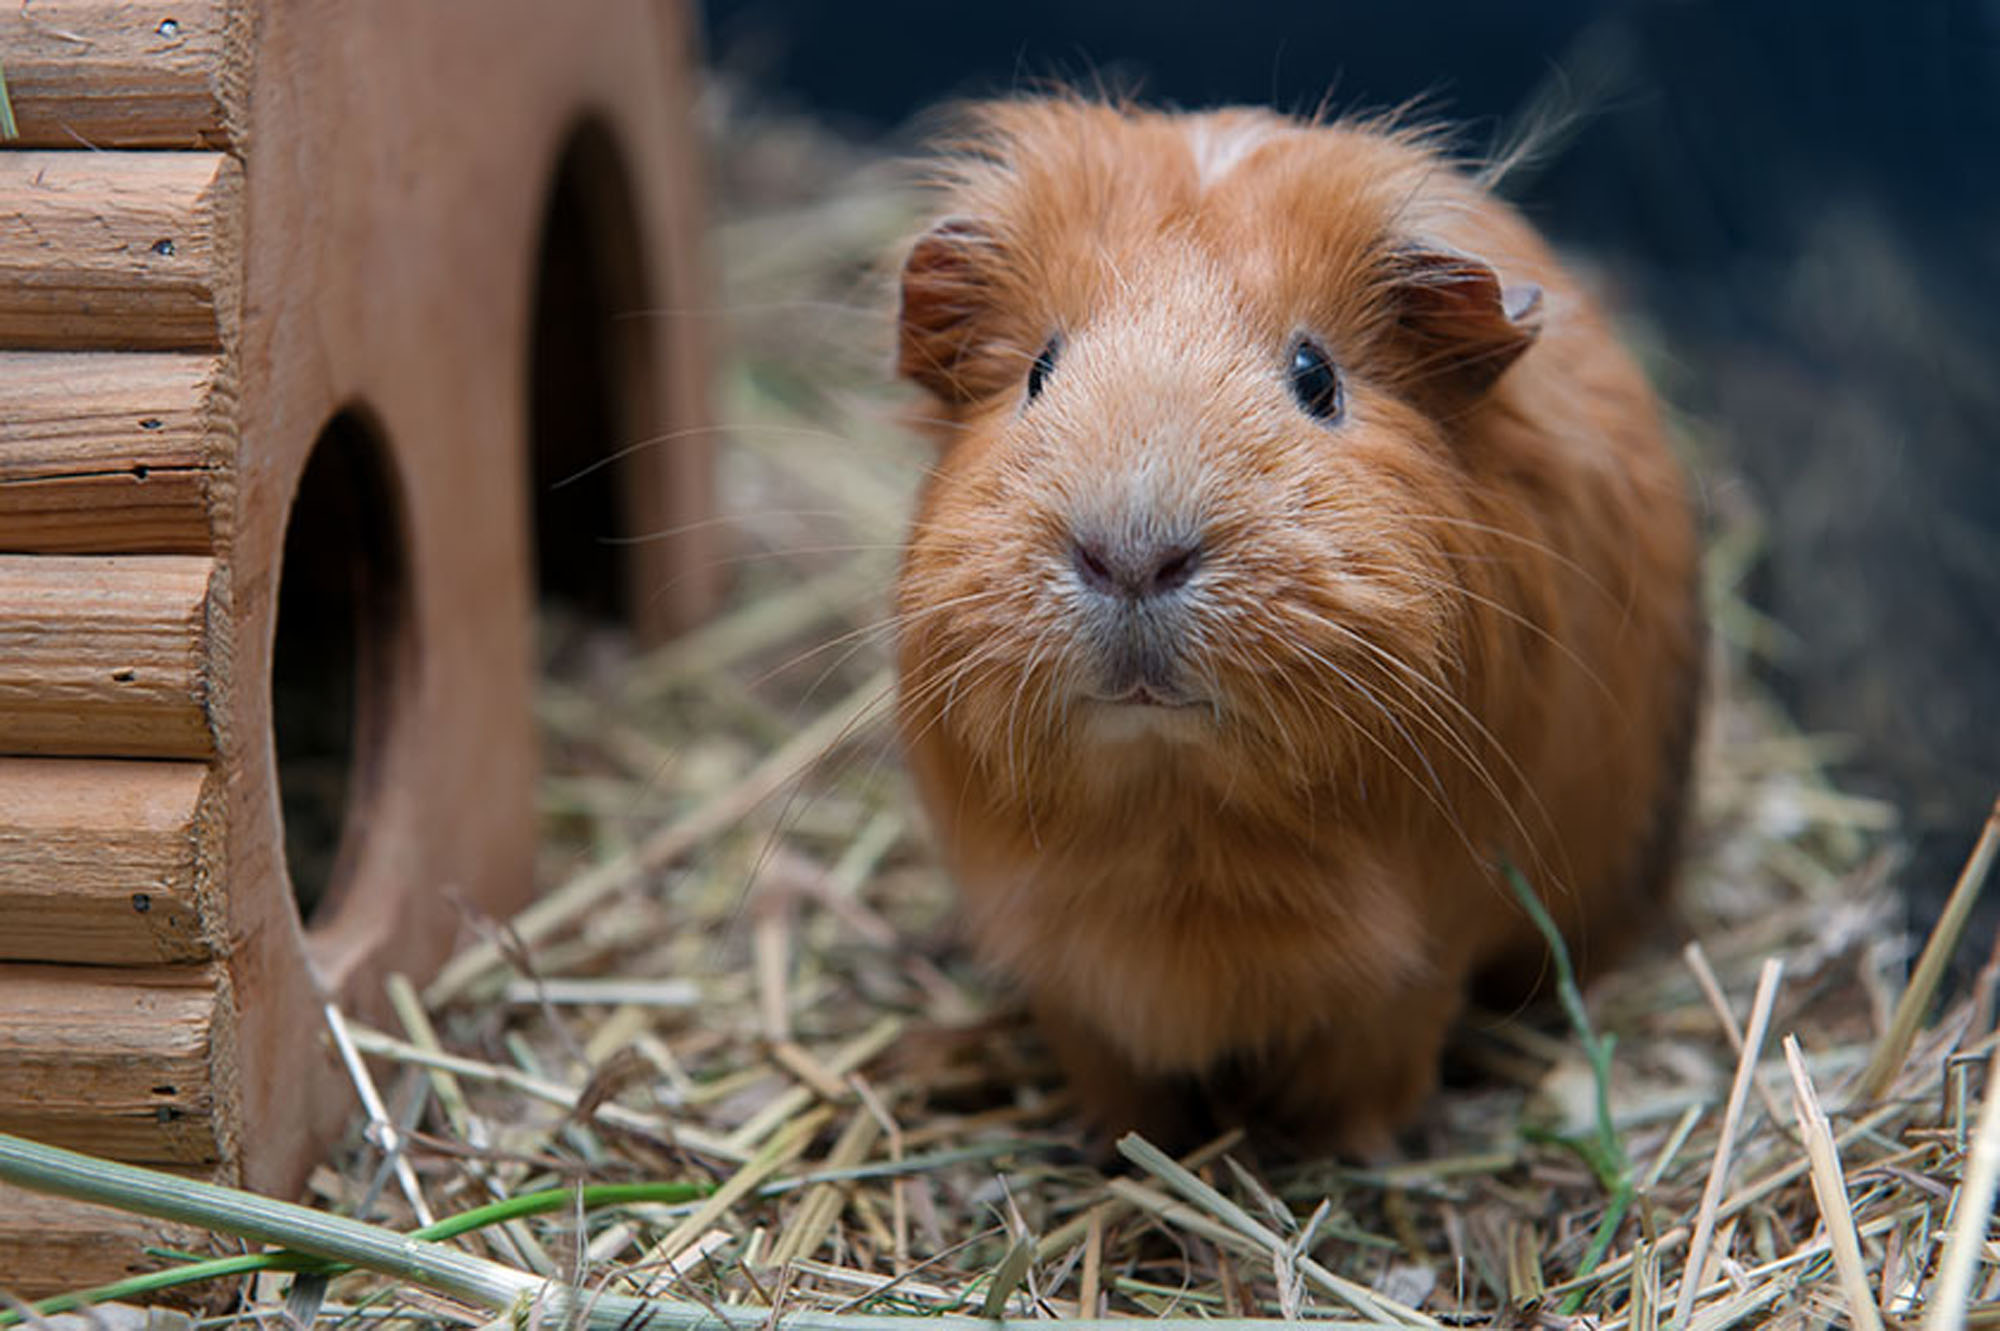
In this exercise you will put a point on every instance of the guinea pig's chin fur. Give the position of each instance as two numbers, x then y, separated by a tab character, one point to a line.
1121	725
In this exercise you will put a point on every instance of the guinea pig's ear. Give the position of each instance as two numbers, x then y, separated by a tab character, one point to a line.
947	294
1462	327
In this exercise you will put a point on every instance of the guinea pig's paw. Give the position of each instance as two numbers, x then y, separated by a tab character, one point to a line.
1361	1137
1369	1141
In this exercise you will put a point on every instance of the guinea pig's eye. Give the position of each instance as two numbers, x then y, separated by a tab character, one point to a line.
1316	383
1044	366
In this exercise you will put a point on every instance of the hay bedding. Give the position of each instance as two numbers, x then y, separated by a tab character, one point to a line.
744	976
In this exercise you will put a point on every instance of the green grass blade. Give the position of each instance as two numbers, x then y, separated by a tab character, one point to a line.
592	1197
1604	1150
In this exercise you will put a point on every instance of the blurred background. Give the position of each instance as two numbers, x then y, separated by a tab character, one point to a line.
1793	206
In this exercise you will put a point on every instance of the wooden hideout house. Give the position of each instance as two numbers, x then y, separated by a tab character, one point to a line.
305	309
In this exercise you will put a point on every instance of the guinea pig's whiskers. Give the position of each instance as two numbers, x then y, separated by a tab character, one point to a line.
732	309
876	632
1433	789
869	715
800	795
751	558
719	429
939	694
1039	648
1569	653
1540	548
1434	785
1009	730
1031	675
723	521
1409	678
659	589
1280	725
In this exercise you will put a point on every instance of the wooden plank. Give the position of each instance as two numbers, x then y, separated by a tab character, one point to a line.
104	656
52	1245
117	251
112	74
114	1062
103	862
110	453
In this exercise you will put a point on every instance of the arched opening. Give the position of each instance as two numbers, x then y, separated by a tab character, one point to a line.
590	395
343	654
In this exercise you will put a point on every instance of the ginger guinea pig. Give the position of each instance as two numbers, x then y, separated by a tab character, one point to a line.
1302	549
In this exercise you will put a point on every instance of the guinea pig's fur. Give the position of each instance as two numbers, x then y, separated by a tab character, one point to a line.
1302	549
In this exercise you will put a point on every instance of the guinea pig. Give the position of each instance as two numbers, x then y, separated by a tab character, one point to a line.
1302	554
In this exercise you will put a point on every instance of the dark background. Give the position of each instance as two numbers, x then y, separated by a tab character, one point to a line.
1800	197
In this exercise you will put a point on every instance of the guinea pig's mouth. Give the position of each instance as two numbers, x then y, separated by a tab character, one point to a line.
1144	713
1137	674
1146	695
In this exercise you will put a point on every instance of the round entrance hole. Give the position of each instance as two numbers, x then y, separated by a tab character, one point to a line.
591	404
342	653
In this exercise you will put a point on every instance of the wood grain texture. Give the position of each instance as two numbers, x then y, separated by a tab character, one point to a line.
104	656
118	251
76	1246
105	453
115	1062
396	270
104	862
112	74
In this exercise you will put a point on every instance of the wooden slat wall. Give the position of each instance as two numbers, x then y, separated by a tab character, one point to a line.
118	279
105	656
110	453
114	1062
119	272
103	863
117	251
113	74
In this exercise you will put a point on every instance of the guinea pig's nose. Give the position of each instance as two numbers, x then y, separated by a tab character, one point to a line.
1134	570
